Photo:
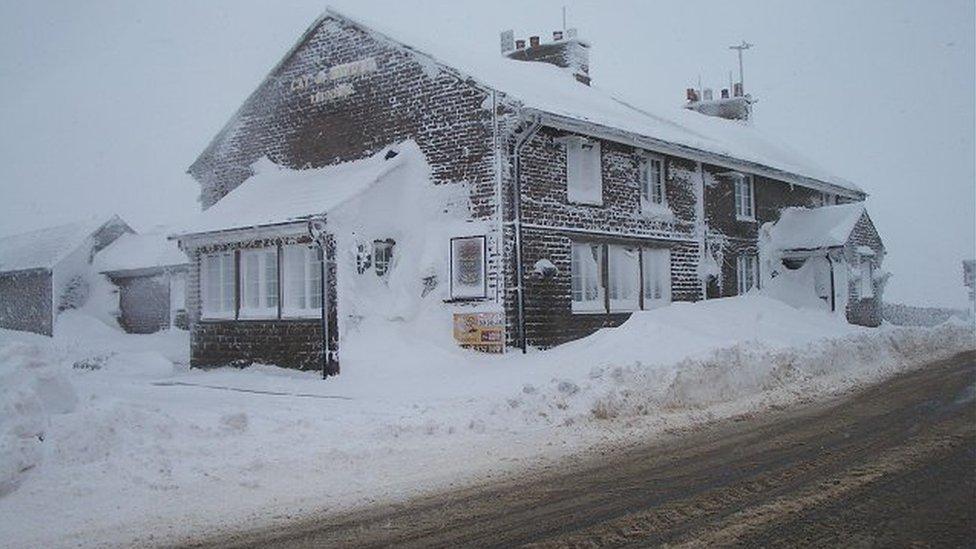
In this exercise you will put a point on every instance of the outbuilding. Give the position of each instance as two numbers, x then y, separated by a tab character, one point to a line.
835	252
46	271
149	271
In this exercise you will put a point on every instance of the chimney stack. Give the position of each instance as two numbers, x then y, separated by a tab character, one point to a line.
565	51
731	108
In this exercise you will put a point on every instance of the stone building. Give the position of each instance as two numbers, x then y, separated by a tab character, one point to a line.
47	271
150	273
570	209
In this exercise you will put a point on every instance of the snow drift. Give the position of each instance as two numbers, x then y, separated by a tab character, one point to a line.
108	437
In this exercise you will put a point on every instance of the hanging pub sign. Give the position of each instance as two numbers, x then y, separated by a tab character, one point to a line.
468	268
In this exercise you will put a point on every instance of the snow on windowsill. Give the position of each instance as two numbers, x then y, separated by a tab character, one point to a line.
652	210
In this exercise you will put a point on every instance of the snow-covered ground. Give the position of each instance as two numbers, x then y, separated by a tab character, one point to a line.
108	438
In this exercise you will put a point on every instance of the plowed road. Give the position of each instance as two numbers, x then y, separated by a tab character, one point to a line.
892	465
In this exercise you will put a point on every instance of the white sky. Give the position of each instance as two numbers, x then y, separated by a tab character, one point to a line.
103	105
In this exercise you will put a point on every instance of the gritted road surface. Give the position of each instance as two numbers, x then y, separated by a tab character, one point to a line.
892	465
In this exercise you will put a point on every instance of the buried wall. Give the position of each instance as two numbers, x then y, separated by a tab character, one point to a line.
26	303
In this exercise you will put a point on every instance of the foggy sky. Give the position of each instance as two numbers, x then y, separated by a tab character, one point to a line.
103	105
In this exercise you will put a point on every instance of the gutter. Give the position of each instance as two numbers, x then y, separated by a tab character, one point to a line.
665	147
520	141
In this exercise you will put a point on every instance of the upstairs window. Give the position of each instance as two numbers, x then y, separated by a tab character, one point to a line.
217	285
301	281
587	277
747	272
584	176
624	277
651	171
745	200
259	283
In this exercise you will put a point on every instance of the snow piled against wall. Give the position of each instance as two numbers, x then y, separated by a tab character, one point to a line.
109	438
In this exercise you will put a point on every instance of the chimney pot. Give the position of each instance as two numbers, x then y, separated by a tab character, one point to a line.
533	41
737	89
725	93
707	94
557	35
691	95
520	44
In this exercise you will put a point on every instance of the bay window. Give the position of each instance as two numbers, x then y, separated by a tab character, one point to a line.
656	279
624	278
584	173
301	281
259	283
217	285
745	200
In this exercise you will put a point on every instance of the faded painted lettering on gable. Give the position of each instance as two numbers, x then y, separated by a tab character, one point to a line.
332	74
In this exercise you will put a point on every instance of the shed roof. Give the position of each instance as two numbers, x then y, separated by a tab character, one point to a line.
139	251
814	228
44	248
277	195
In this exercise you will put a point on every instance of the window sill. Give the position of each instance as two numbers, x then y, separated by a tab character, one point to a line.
745	219
572	202
465	299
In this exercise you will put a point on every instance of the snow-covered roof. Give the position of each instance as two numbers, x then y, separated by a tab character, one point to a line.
139	251
814	228
552	90
277	195
44	248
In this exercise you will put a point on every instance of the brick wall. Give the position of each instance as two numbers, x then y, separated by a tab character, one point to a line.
302	117
290	343
734	236
551	223
26	302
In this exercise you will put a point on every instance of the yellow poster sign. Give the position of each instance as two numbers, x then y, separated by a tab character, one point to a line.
483	332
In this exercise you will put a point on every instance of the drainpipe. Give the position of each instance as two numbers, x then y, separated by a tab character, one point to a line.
833	292
520	141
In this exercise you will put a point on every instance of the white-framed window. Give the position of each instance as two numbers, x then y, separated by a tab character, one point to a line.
382	256
745	200
656	283
651	173
747	272
468	278
217	285
623	277
866	280
587	278
301	276
828	199
584	174
259	283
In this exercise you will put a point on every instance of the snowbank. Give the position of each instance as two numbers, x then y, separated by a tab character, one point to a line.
108	437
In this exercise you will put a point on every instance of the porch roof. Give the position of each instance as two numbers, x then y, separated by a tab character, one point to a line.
815	228
277	195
